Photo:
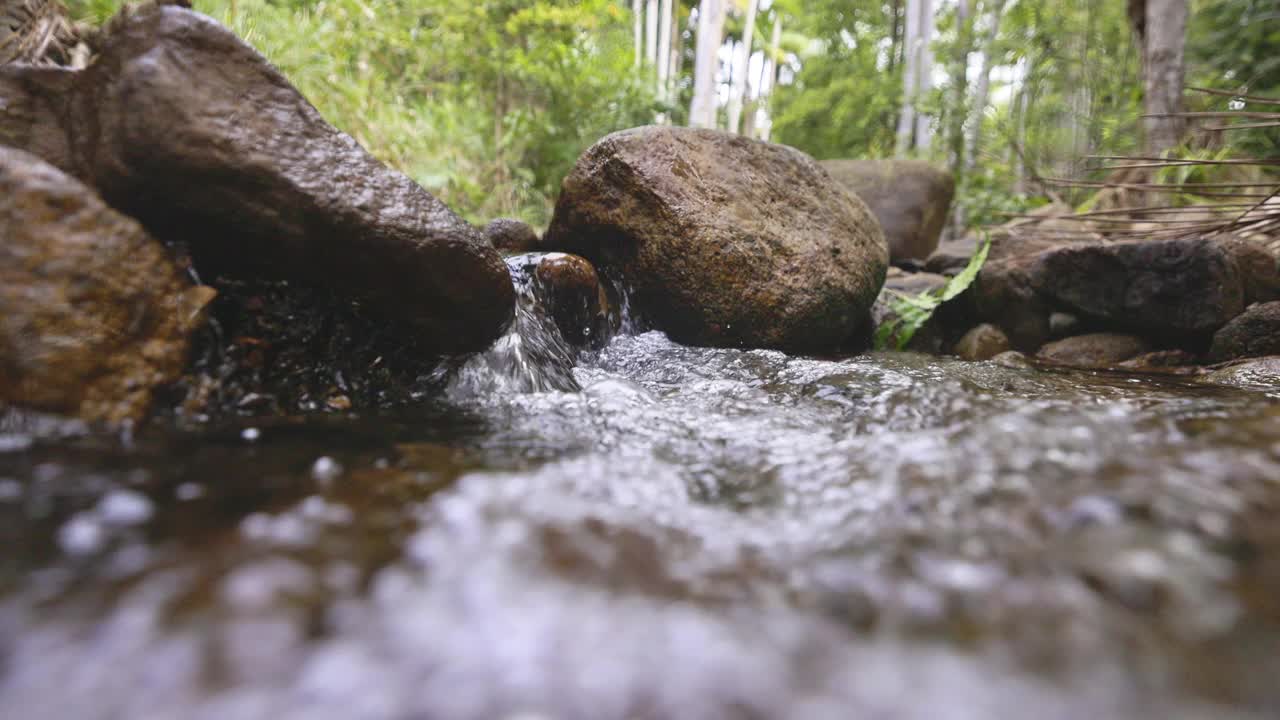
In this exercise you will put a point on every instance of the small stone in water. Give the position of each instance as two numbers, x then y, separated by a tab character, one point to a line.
326	469
250	434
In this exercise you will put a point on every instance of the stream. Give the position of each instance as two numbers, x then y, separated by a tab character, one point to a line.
658	531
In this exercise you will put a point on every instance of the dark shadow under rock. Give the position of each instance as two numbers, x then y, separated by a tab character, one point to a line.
271	348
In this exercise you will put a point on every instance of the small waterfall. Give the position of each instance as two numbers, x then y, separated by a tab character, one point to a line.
533	355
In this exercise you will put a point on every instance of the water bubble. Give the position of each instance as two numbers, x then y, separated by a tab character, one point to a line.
81	535
325	469
250	434
10	490
188	491
125	507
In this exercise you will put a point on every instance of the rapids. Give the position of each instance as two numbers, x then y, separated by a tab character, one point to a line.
656	531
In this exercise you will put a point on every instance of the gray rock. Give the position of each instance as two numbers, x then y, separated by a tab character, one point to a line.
511	236
1182	288
724	241
1254	333
910	198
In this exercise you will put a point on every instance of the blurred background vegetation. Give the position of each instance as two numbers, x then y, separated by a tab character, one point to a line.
487	103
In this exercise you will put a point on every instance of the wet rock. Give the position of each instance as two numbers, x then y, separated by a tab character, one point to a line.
982	343
575	296
1259	268
1254	333
1093	350
94	314
33	103
1012	359
724	241
910	198
182	125
1161	360
1182	288
1004	296
1252	374
511	236
928	338
1004	293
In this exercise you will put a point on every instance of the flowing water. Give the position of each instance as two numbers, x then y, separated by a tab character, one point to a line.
658	531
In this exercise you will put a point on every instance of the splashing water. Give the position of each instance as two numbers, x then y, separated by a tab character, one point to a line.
533	355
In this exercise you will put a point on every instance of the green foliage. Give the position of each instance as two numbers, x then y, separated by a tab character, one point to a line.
485	103
844	101
1235	45
909	313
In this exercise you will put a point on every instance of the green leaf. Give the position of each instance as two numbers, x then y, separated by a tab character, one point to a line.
911	312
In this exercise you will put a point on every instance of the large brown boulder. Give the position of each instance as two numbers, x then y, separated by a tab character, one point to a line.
723	240
94	315
1254	333
182	125
910	198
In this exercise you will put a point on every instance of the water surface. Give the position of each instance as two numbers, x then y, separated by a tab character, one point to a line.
661	531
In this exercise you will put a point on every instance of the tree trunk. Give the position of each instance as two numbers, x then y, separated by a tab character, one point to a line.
959	105
913	126
637	12
664	49
1165	34
702	111
651	33
959	88
676	63
737	95
924	72
982	91
769	79
910	61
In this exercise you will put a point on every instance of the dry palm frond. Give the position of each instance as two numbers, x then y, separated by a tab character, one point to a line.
1129	203
35	31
